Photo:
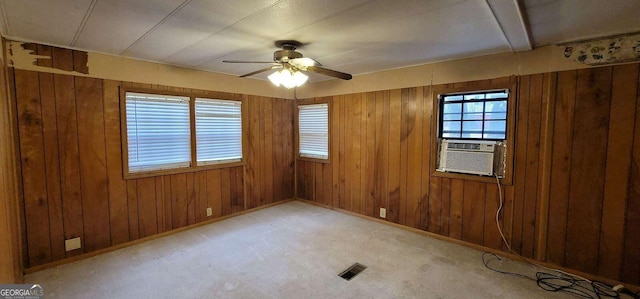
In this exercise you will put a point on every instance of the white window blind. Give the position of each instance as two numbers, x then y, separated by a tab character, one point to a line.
218	131
313	131
158	132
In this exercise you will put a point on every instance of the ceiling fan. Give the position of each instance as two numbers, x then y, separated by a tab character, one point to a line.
290	65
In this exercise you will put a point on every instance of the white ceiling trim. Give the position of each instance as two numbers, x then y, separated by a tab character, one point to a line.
171	14
508	15
84	21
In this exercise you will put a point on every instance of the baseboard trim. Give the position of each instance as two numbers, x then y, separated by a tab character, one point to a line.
512	256
146	239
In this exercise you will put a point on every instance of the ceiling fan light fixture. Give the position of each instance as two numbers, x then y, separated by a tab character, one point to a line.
288	79
275	78
299	78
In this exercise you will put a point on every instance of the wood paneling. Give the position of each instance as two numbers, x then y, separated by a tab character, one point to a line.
620	145
93	168
33	166
118	208
631	257
49	131
10	221
561	166
588	136
71	156
589	155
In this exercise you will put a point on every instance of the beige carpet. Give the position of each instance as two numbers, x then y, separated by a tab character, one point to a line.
292	250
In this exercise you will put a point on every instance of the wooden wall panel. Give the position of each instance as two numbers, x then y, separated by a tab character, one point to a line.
33	167
492	237
445	206
70	137
50	142
93	171
69	159
435	203
620	144
132	203
287	180
520	162
631	257
179	198
147	218
118	208
371	206
473	212
589	152
414	116
592	209
225	191
457	195
191	198
200	188
334	143
561	166
266	141
237	202
382	149
395	121
427	116
11	227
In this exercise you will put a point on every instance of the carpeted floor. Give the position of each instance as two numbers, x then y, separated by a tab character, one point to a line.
292	250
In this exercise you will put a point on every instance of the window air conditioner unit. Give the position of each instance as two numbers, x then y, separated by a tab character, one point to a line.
467	156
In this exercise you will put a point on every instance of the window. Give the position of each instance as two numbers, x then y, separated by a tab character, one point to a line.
168	134
313	131
485	114
158	132
477	115
218	131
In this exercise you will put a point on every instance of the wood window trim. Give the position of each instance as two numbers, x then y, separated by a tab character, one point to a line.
297	131
192	118
509	83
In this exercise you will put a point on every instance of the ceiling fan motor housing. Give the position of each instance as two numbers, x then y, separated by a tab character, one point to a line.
286	55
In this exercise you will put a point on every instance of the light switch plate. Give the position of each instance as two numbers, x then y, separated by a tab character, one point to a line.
72	244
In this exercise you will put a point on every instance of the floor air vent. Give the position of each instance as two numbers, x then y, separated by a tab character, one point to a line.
352	271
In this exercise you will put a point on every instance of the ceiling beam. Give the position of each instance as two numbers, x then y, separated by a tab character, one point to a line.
509	16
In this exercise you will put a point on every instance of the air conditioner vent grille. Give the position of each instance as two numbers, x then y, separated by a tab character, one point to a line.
464	146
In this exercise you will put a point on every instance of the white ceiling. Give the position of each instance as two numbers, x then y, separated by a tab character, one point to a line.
353	36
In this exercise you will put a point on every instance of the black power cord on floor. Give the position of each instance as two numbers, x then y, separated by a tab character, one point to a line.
551	282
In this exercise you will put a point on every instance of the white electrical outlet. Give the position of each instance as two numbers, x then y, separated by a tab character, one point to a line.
72	244
209	212
383	213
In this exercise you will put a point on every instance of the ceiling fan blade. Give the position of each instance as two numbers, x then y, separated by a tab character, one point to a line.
247	61
328	72
261	70
304	62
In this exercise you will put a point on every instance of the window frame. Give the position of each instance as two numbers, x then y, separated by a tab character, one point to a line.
297	130
193	163
211	162
505	83
462	120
